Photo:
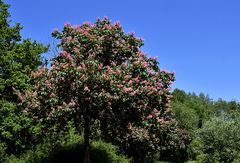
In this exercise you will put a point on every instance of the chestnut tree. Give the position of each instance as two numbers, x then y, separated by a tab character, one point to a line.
101	74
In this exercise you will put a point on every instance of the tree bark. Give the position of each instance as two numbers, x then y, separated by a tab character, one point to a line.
86	139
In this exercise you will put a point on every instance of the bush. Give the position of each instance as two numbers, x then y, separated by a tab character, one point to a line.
69	148
219	140
16	130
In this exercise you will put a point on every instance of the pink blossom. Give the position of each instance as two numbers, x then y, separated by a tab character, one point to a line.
105	76
117	24
144	82
131	33
160	84
127	89
83	77
133	93
64	104
165	71
136	80
72	103
86	89
137	62
118	72
52	95
110	70
145	64
84	31
64	66
123	65
154	89
160	93
149	116
160	120
67	24
126	77
53	67
100	66
83	66
120	86
130	82
75	27
105	17
69	57
108	26
140	54
48	84
169	89
114	64
79	68
76	50
149	93
38	73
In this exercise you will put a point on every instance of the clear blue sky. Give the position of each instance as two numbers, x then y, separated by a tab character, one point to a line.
198	39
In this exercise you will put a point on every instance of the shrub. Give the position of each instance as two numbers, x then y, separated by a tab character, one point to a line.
69	148
219	140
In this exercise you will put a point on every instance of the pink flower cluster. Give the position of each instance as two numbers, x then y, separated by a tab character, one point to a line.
66	55
41	71
127	90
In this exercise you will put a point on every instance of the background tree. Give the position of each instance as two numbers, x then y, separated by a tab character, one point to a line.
18	58
191	110
101	74
218	140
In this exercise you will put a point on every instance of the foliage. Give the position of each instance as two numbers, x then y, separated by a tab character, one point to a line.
68	146
13	129
196	107
186	116
192	111
231	107
219	139
18	57
103	83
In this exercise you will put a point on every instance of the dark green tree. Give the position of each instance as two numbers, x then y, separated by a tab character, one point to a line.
18	57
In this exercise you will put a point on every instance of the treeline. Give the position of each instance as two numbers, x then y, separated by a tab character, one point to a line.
102	90
212	126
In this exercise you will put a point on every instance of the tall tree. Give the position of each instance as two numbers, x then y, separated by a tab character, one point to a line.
101	74
18	57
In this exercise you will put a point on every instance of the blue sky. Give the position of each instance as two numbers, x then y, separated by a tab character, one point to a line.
198	39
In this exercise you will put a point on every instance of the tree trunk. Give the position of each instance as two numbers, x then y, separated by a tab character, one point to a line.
86	139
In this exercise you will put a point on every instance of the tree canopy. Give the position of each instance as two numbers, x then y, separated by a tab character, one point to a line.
18	57
101	74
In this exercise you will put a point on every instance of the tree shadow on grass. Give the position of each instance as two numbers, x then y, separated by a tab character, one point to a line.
75	154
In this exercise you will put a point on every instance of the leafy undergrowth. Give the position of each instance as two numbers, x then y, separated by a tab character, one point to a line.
70	149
